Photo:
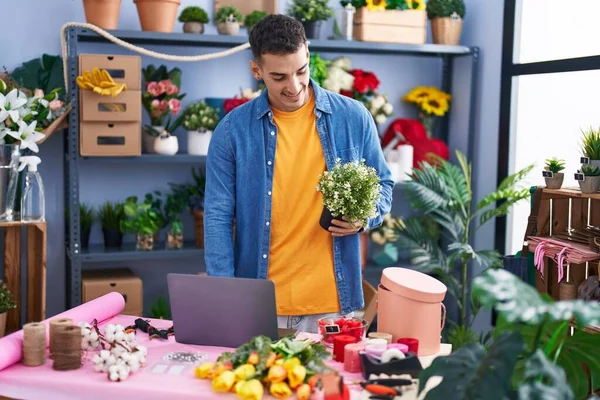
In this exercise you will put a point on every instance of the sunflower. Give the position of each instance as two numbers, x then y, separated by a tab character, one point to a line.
436	106
418	95
441	94
376	5
416	4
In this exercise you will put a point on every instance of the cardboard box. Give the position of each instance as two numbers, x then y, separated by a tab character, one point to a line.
392	26
98	283
123	69
110	139
127	106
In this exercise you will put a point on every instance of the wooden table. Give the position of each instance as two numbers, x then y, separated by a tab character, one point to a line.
35	296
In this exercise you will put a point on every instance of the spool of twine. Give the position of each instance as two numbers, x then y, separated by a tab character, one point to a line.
567	291
67	348
34	344
381	335
54	323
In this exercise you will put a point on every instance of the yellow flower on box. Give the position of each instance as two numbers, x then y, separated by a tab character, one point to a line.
376	5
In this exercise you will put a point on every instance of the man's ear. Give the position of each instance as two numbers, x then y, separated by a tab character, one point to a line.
255	70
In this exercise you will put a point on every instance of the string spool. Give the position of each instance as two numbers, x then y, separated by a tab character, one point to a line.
381	335
34	344
67	352
54	323
567	291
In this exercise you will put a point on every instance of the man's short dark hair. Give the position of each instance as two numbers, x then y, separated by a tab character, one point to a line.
276	34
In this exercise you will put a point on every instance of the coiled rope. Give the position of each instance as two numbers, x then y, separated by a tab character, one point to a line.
137	49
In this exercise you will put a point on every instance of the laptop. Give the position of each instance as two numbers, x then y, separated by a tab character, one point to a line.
221	311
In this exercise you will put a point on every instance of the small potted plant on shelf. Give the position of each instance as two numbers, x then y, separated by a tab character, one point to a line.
194	194
311	13
552	173
589	178
111	215
200	119
86	220
446	20
174	206
253	18
161	100
193	18
351	191
142	221
6	303
590	146
228	20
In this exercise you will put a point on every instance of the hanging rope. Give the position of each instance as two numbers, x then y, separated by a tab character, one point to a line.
137	49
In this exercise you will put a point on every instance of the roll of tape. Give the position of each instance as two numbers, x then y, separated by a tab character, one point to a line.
392	354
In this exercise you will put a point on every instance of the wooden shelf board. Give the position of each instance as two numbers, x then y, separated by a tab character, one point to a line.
570	192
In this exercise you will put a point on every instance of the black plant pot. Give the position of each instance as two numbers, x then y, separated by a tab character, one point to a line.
85	238
112	237
326	218
312	29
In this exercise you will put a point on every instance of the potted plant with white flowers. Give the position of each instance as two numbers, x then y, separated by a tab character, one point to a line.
6	303
351	191
200	119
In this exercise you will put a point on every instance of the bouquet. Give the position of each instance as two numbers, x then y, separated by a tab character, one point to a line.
281	368
23	117
245	96
360	85
352	190
162	98
430	102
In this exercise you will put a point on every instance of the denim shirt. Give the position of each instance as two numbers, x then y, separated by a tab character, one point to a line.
239	180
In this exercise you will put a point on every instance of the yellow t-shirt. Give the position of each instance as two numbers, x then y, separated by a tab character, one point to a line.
301	253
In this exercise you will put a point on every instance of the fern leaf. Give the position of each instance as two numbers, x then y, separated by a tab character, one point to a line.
516	178
457	187
489	259
503	208
425	253
423	198
502	194
466	170
453	227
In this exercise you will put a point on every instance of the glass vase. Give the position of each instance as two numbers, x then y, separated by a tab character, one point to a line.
10	155
428	122
174	241
144	242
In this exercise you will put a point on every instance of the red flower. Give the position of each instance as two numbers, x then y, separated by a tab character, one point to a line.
347	93
230	104
364	81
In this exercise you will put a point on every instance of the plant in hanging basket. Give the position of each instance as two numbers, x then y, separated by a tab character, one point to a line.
193	19
141	220
350	190
111	215
552	173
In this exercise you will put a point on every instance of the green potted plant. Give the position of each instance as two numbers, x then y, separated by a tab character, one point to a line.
142	221
253	18
174	206
349	190
311	13
6	303
86	220
446	20
110	216
533	354
160	309
194	194
590	146
589	178
193	18
200	119
552	173
228	20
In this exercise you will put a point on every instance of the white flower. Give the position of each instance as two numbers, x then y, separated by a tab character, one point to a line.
337	80
378	102
118	372
388	109
380	119
10	104
28	136
341	62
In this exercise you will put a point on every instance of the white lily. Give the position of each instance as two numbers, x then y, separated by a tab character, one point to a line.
28	136
10	104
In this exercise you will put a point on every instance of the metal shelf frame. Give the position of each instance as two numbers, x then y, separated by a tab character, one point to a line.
76	257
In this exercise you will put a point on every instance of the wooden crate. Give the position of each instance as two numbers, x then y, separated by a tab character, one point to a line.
393	26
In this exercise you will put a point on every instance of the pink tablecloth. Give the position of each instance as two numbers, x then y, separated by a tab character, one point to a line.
22	382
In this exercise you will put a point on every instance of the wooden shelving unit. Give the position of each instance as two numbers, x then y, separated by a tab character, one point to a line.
35	296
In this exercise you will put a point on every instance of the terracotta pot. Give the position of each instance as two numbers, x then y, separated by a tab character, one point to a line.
157	15
446	30
193	27
102	13
228	28
2	324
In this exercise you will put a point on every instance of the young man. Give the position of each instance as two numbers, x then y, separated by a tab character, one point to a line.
263	165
